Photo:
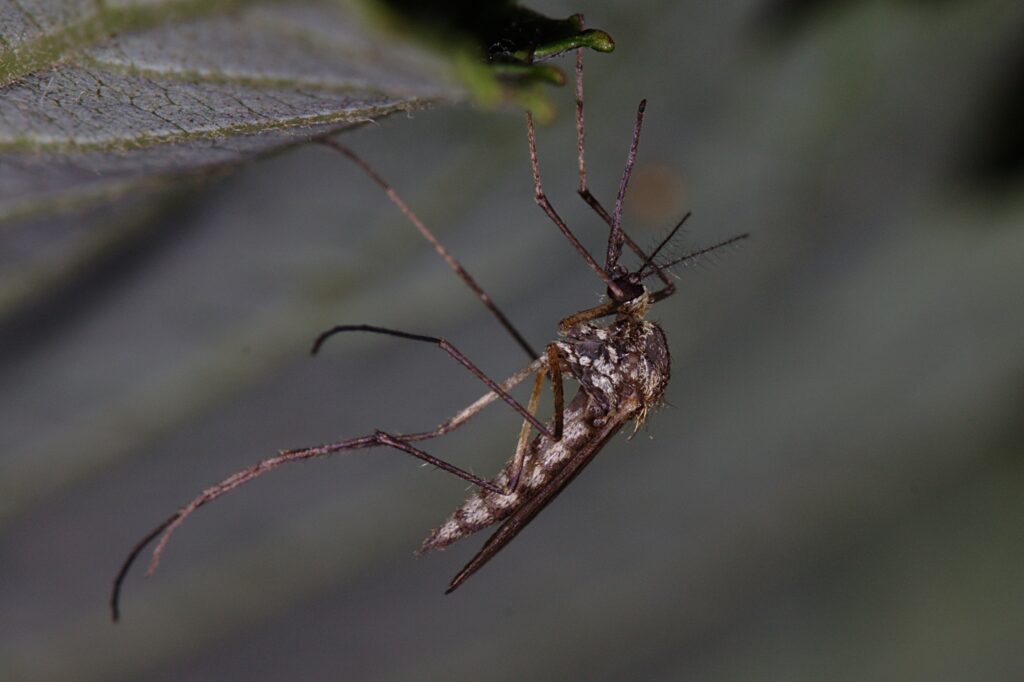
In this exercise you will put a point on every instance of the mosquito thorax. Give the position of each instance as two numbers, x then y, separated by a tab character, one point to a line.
637	306
623	363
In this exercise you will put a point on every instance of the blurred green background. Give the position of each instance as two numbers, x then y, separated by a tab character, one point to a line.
833	492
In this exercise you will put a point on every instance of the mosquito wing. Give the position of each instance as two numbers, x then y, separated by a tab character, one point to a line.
533	506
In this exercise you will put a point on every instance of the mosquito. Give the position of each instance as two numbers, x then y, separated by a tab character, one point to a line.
622	367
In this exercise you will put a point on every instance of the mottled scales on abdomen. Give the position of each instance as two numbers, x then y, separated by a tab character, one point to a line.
486	507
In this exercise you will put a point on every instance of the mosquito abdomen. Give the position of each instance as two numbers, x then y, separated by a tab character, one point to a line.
544	460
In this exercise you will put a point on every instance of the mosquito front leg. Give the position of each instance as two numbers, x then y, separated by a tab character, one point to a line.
438	246
542	201
591	200
466	413
617	238
606	308
447	348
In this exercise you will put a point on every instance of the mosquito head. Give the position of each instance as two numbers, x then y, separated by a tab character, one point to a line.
634	298
630	286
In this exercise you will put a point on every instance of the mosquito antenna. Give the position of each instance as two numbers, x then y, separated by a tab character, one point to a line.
694	255
616	238
429	236
666	240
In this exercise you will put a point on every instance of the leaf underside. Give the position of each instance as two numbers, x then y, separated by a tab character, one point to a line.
222	81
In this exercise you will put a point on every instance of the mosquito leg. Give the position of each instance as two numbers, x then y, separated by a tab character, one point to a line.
665	291
606	308
115	593
165	529
383	438
669	287
583	191
590	199
438	247
557	390
615	240
554	370
447	348
465	414
542	201
519	460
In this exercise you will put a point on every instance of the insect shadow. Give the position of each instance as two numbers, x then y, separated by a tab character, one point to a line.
622	367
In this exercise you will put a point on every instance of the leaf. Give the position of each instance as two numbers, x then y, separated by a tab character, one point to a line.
107	99
166	99
76	125
89	114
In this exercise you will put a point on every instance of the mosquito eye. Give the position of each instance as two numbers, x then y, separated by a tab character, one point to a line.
629	287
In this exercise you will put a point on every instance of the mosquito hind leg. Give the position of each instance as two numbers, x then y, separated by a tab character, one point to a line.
164	530
448	348
454	264
468	412
583	190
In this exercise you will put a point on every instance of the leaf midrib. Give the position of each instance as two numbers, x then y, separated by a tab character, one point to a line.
47	49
